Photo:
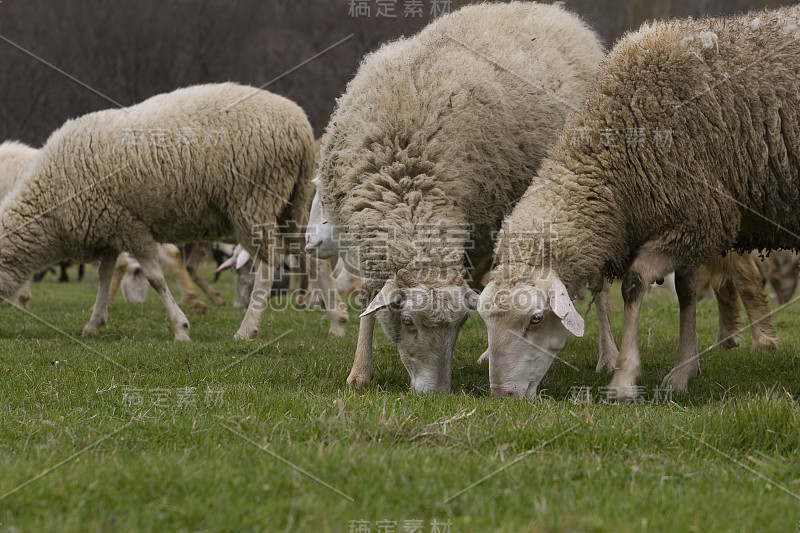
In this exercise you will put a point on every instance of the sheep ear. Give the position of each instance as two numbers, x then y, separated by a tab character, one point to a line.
471	299
226	264
242	259
562	306
389	295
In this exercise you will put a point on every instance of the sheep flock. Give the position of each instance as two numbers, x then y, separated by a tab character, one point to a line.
475	166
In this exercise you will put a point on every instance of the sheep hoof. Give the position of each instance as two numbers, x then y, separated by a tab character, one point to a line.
765	343
484	357
678	379
89	330
359	379
198	306
604	365
336	331
607	362
727	342
245	333
622	389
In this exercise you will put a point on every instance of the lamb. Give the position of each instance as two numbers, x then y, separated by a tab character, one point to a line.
434	140
14	159
638	211
96	190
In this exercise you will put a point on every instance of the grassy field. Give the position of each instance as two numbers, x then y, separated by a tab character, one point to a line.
132	432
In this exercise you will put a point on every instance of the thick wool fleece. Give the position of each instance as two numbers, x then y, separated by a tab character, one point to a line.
14	159
196	164
728	90
445	129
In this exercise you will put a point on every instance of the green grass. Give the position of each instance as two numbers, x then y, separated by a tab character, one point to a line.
191	432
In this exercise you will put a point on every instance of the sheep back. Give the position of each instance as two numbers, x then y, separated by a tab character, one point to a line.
727	92
449	126
195	164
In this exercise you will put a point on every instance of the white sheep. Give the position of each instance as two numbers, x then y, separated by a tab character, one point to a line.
195	164
434	140
726	176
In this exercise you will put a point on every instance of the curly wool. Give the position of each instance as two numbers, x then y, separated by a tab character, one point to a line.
93	190
728	89
443	131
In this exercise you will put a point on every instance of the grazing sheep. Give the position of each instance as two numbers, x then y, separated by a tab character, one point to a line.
727	90
433	142
14	159
126	179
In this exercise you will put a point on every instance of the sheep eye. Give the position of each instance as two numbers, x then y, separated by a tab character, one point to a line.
536	318
407	320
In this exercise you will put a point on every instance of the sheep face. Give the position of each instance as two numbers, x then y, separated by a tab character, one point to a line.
134	284
244	278
322	240
423	321
528	325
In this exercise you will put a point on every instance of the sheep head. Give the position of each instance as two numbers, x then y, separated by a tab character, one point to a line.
528	323
423	319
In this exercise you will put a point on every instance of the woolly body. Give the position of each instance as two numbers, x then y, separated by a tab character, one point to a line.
216	160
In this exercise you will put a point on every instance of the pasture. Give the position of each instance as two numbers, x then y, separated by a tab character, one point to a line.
130	431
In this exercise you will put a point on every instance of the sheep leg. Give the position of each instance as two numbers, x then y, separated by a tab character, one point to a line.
608	348
260	295
194	255
748	281
648	266
172	258
119	272
729	333
23	296
361	373
687	365
152	270
210	292
321	271
100	311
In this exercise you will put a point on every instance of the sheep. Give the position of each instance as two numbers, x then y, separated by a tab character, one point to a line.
728	95
432	143
96	189
14	159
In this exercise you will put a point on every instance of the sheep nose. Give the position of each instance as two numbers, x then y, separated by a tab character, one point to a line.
312	244
504	392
